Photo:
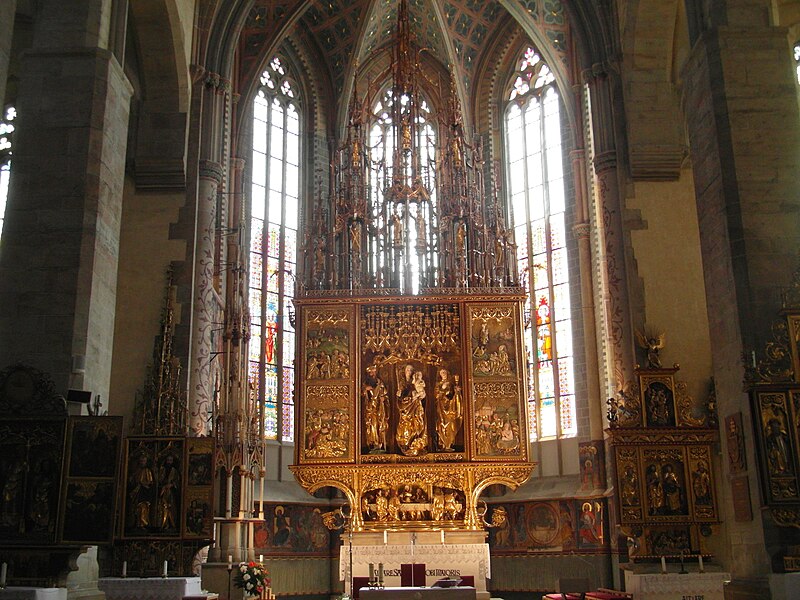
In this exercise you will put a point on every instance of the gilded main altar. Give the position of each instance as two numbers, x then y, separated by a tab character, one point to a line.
412	406
411	395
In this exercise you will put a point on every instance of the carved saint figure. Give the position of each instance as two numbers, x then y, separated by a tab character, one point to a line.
655	490
412	429
169	481
397	231
701	485
141	493
736	456
777	447
630	487
448	410
376	410
673	492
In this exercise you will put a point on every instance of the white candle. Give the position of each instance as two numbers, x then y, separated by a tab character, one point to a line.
663	565
3	572
385	538
230	561
261	558
124	568
166	563
700	563
441	533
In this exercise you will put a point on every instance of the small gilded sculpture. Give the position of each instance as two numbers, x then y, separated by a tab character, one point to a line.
449	411
651	344
376	411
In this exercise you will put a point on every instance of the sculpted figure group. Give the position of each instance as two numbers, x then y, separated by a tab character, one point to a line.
411	433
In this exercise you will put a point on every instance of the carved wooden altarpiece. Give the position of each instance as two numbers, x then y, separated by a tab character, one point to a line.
167	499
773	381
411	405
58	477
662	455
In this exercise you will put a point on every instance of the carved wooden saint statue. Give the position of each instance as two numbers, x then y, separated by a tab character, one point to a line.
412	429
449	410
376	411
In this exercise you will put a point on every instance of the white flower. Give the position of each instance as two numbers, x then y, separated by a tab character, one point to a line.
243	568
246	576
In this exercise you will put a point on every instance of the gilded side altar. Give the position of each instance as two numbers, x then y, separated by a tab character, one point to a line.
412	406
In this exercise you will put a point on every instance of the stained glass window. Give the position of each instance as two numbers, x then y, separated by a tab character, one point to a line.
537	201
274	206
6	135
796	54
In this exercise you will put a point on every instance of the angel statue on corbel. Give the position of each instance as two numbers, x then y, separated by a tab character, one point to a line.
651	343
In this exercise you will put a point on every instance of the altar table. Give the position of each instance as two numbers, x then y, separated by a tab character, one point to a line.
149	588
33	593
418	593
676	586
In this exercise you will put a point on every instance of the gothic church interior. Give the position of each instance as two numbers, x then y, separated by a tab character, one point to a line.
537	259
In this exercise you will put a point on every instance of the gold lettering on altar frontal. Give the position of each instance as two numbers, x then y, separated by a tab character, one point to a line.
411	407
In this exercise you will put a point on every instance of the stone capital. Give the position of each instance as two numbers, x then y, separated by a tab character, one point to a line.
581	230
211	170
605	161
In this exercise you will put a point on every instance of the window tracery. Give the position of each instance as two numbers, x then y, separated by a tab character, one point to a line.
6	137
534	168
274	197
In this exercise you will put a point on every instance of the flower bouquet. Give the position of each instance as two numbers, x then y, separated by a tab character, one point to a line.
252	578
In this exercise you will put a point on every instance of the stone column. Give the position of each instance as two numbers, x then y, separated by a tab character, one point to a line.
7	10
58	263
744	129
205	301
618	315
581	230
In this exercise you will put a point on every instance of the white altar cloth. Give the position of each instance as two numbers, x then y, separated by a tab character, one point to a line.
441	560
149	588
33	593
674	586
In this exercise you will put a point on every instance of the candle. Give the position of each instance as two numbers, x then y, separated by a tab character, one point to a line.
385	538
166	563
261	558
230	562
663	565
380	573
371	572
124	568
3	572
700	563
441	532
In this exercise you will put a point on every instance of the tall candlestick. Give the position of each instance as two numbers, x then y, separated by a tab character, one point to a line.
700	563
166	564
124	568
380	574
663	565
3	572
372	572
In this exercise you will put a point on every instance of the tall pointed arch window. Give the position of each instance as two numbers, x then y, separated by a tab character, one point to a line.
273	246
535	176
6	135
